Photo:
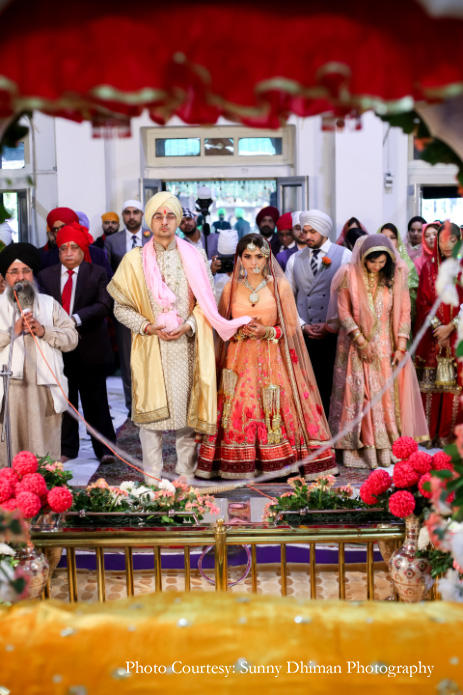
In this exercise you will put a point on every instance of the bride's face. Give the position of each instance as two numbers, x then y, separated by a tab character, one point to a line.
253	261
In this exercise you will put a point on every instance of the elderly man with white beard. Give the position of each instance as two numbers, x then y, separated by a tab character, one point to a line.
36	402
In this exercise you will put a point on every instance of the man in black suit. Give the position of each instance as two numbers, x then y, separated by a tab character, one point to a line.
80	287
116	246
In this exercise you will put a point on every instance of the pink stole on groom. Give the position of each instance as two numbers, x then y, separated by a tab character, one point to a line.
196	274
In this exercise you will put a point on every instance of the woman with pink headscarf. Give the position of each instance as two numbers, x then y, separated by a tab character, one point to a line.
373	311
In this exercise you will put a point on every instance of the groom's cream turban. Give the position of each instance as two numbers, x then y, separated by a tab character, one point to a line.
157	201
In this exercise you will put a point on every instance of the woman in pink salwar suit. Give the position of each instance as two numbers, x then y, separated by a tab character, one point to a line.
373	313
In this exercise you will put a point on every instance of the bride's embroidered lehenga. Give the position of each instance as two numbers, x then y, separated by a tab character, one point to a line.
269	410
382	317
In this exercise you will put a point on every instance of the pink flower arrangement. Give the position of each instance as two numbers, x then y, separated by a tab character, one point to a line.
405	493
23	487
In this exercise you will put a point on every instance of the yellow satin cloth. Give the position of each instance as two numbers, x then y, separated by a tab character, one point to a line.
149	403
51	647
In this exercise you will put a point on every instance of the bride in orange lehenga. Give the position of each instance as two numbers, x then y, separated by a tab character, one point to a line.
269	410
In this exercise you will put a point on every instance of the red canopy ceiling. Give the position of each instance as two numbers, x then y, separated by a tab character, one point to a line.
251	62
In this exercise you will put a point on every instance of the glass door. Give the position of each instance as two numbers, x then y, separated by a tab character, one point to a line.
14	206
292	194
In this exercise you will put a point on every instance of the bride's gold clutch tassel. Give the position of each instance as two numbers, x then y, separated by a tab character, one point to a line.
271	398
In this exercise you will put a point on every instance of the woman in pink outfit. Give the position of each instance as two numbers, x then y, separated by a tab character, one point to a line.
373	309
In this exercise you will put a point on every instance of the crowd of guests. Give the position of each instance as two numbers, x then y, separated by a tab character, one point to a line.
320	326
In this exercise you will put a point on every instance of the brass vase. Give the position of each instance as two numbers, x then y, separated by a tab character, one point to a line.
35	566
410	575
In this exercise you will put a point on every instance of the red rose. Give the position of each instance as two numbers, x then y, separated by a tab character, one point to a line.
366	494
6	489
404	475
402	503
326	261
420	462
404	447
33	482
29	504
10	505
379	481
426	478
8	474
442	461
60	499
24	462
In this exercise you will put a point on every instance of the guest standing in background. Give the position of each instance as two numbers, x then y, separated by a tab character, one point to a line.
442	401
414	233
371	299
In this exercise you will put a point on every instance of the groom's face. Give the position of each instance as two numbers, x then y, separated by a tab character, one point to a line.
164	225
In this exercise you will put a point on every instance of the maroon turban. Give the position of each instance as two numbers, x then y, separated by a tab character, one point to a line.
285	222
77	233
272	212
66	215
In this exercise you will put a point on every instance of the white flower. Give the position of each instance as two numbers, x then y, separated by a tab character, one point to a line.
445	284
127	485
451	587
423	538
5	549
7	575
143	493
166	485
117	498
456	543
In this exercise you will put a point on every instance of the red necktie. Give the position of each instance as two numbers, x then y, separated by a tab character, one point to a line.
67	292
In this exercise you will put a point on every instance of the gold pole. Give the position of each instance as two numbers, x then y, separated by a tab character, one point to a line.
220	552
100	574
47	589
254	568
313	573
72	574
284	588
342	572
186	556
129	571
370	573
157	569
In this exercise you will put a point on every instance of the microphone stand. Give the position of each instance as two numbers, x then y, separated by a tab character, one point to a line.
6	375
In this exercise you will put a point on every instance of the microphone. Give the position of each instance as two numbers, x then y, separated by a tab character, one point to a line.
18	287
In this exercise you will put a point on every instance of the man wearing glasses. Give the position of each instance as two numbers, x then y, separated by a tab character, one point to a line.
36	402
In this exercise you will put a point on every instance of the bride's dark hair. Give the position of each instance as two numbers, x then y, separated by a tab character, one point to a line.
253	238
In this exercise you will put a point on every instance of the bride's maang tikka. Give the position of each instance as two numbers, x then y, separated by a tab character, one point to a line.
265	248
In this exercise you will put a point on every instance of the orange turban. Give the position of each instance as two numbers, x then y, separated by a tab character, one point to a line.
110	217
79	235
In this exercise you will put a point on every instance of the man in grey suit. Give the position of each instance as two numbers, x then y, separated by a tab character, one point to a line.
116	246
313	272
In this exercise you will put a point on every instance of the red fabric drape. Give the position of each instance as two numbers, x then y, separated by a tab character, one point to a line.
253	62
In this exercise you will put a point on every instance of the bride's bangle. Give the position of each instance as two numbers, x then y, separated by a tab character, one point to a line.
362	347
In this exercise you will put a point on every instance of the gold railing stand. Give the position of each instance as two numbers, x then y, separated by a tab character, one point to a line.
220	553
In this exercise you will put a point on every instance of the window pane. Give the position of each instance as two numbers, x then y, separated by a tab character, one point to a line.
13	157
260	146
178	147
221	147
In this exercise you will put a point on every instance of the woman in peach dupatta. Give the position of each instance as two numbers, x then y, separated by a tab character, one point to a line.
373	307
270	411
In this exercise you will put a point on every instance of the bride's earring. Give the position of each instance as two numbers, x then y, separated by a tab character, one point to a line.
266	270
242	272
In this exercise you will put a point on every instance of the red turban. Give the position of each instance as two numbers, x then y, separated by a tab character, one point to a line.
285	222
272	212
66	215
78	234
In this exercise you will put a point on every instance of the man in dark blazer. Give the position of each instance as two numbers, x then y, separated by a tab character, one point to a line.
80	287
116	246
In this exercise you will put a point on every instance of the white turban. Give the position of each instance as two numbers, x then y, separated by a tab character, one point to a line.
318	220
133	204
6	233
228	241
295	217
160	199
